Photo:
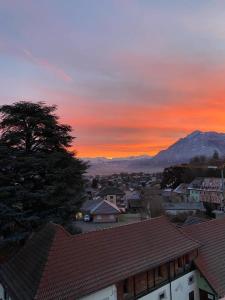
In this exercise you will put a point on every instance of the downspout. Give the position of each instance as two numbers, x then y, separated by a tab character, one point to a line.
170	282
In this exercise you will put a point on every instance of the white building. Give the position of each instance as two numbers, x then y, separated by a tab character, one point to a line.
149	260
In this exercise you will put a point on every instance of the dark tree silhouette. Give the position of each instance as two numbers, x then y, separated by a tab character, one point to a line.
33	127
40	179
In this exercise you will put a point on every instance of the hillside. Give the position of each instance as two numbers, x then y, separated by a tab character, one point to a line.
194	144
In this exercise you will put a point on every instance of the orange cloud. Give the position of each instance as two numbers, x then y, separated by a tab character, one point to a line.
173	100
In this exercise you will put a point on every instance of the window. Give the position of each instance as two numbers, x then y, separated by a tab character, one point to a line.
187	259
180	262
191	296
162	296
190	280
125	286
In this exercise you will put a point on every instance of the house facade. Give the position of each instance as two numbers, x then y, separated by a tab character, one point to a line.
114	195
149	260
207	190
101	211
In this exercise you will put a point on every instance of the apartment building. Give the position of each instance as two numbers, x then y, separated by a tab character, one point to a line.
149	260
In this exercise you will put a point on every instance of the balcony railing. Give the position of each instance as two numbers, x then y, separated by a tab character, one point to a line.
157	283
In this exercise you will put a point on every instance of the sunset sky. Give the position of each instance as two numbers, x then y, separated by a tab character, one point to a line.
131	77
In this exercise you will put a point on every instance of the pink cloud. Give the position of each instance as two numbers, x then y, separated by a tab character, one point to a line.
60	73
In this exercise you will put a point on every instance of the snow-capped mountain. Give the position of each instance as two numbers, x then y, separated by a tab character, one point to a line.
195	144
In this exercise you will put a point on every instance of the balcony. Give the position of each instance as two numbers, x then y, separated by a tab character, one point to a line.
144	283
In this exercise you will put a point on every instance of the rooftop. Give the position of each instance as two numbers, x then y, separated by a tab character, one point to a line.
57	265
211	258
100	207
111	190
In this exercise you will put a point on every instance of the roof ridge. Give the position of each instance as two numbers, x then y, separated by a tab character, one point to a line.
187	235
96	206
35	239
58	228
112	205
116	227
207	221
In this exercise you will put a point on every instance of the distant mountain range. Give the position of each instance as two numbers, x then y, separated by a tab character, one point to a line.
196	143
106	166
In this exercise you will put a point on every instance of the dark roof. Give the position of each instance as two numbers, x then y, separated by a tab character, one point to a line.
90	204
56	265
183	206
194	220
211	258
105	208
22	274
181	189
99	207
111	190
196	183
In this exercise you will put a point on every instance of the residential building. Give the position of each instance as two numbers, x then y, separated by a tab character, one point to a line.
182	191
101	211
148	260
194	189
207	190
175	208
133	200
211	258
114	195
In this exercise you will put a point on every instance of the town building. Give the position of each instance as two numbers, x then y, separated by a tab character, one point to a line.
211	258
176	208
182	191
114	195
207	190
148	260
100	211
133	200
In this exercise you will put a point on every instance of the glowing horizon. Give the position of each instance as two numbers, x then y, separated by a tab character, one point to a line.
130	77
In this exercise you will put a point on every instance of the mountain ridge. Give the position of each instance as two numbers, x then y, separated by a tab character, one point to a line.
182	151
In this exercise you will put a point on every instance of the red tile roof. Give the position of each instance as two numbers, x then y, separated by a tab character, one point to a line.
70	267
211	258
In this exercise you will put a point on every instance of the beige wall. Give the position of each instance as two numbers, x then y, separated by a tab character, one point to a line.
111	198
104	218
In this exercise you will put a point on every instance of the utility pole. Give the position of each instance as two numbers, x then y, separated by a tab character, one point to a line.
222	178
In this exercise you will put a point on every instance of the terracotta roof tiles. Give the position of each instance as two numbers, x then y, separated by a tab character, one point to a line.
211	258
70	267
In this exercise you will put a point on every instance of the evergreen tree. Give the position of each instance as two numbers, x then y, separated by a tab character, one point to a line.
215	156
40	179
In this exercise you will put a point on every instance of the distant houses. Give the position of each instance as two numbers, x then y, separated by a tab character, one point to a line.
173	208
133	200
205	190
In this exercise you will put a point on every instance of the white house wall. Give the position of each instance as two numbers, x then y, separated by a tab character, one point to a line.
181	287
109	293
179	290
